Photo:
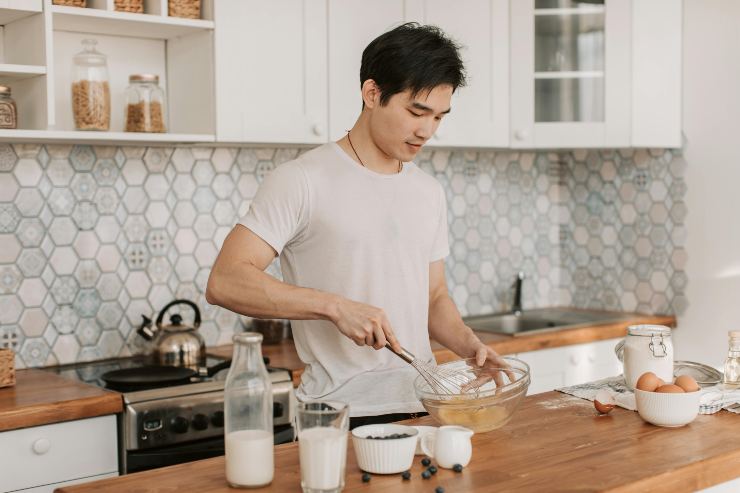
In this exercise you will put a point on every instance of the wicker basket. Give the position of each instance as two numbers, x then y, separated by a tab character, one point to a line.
190	9
70	3
7	367
136	6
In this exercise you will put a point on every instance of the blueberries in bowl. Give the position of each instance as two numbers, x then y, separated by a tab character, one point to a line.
389	437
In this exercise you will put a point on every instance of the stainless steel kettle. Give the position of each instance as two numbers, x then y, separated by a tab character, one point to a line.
176	344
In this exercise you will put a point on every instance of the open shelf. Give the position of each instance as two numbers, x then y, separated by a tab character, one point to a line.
112	23
82	137
13	10
12	72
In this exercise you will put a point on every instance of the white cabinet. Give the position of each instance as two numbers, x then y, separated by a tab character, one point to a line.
595	74
480	110
271	71
571	365
42	457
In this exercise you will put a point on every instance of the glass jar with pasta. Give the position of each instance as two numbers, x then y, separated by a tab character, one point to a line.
90	89
144	104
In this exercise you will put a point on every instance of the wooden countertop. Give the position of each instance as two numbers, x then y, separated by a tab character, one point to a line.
553	442
284	355
41	397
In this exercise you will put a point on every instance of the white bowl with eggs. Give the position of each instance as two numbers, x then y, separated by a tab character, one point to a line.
667	409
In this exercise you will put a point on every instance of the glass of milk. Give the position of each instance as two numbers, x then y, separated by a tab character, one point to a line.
323	427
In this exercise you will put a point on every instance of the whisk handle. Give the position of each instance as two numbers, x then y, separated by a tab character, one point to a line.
403	354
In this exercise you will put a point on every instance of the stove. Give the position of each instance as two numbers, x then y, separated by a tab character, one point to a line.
169	425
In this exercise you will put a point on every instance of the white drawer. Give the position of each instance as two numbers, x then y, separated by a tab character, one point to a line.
48	454
49	488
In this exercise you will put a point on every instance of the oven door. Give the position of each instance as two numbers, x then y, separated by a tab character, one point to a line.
142	460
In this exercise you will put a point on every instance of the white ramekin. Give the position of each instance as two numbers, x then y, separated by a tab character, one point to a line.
389	456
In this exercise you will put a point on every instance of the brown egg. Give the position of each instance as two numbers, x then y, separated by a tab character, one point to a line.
649	382
604	401
687	383
669	389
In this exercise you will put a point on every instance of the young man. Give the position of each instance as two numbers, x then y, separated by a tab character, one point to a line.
362	235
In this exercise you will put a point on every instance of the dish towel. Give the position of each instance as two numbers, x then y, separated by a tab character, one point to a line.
713	398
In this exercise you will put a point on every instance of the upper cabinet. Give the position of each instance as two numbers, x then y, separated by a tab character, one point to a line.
595	73
271	71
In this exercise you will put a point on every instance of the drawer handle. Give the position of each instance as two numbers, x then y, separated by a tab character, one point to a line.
41	446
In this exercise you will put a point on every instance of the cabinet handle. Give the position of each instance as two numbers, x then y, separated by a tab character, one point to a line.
41	446
318	129
575	360
521	134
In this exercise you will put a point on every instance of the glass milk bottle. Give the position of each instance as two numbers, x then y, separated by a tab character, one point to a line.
732	363
248	415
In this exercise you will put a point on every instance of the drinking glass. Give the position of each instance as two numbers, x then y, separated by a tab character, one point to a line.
323	427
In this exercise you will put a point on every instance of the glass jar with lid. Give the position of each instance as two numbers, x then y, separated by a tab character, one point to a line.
646	348
8	110
731	376
144	104
90	88
248	415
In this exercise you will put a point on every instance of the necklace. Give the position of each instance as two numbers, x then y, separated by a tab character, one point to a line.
400	165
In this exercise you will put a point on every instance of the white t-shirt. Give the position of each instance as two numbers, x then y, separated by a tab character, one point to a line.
342	228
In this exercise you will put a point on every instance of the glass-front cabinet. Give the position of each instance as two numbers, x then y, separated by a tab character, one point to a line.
595	73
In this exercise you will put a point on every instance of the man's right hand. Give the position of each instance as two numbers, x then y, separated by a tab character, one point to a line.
365	324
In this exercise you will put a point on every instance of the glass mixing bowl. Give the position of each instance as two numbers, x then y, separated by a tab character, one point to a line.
488	407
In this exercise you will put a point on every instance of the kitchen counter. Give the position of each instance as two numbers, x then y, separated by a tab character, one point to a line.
283	355
553	442
40	397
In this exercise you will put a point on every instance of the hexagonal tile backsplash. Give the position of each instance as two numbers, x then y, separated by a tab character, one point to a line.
91	238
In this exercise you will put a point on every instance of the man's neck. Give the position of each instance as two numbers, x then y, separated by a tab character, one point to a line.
359	145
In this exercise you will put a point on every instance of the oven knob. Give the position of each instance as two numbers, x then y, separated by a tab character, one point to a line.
179	424
277	409
200	422
218	419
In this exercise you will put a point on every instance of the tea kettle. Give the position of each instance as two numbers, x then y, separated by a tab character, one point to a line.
176	344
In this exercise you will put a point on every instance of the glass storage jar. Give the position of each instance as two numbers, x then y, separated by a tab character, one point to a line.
646	348
731	376
8	110
90	89
144	104
248	415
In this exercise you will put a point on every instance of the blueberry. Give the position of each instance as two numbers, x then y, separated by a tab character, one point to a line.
366	478
432	470
425	461
439	489
395	435
426	475
406	475
457	468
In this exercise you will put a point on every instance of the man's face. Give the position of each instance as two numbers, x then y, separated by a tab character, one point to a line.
405	123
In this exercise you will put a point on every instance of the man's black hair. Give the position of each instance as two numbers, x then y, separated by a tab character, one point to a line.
412	56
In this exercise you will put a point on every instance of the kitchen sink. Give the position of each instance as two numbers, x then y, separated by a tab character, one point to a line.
541	320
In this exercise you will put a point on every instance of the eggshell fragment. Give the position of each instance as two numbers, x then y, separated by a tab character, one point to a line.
669	389
604	401
687	383
649	382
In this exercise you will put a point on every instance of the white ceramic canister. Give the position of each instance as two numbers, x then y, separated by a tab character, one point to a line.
646	348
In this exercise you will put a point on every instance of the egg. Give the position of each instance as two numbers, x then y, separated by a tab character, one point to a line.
649	382
669	389
687	383
604	401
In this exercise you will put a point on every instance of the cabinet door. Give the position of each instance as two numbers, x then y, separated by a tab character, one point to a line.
271	71
352	25
480	110
570	73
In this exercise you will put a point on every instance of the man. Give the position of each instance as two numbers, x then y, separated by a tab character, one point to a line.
362	235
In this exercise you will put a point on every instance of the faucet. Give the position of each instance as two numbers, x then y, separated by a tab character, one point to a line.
516	306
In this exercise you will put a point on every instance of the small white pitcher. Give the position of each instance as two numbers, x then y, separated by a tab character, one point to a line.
450	445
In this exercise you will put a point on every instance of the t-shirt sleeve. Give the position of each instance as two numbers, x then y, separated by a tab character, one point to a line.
279	213
441	246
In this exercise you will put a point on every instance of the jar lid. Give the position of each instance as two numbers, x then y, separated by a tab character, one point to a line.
647	330
5	90
143	78
247	337
89	56
734	333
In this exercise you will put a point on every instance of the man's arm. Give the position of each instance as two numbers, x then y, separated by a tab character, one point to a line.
238	283
447	327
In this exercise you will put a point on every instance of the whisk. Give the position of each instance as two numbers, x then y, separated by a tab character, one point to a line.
441	381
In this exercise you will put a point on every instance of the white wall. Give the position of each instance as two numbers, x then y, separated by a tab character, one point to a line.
711	121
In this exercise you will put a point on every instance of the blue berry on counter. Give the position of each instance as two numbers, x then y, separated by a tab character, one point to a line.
457	468
432	470
425	461
439	489
406	475
426	475
366	478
